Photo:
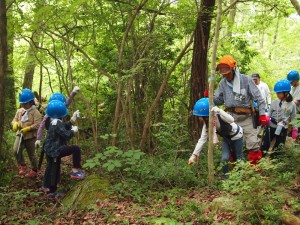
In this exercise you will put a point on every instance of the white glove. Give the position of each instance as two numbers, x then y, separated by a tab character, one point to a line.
74	129
37	143
215	109
193	159
75	116
76	89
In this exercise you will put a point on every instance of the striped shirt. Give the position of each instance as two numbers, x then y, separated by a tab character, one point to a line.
225	95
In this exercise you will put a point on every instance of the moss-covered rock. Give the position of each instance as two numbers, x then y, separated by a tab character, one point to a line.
85	193
226	204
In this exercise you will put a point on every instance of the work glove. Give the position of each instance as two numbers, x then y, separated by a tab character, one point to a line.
74	129
37	143
216	109
295	133
26	129
192	160
206	93
76	89
15	126
264	120
254	156
75	116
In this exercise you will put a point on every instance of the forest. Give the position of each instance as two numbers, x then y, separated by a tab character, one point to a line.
135	69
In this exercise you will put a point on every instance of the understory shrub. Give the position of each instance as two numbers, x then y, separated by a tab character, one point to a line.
255	188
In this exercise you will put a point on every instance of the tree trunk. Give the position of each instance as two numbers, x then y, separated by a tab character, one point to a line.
199	62
120	67
159	94
296	5
10	96
31	61
211	91
232	14
3	67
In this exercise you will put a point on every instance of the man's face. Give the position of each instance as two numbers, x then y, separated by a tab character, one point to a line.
256	81
226	71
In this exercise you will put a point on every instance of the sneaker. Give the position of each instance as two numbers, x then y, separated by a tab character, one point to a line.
55	196
22	170
31	173
45	190
77	175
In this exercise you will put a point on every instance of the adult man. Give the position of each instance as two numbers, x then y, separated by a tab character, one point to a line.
263	88
236	90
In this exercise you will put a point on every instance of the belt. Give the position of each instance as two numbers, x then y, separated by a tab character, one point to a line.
239	110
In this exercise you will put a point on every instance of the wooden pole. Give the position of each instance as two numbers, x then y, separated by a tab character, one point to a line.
211	93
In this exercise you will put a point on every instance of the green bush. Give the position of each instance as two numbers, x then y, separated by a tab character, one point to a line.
255	188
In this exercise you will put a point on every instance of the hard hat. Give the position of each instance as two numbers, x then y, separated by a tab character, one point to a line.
282	86
201	107
227	60
56	109
58	96
293	75
25	96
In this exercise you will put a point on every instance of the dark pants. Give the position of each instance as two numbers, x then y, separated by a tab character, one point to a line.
52	172
269	136
28	144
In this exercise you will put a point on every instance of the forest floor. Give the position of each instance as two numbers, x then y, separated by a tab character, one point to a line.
21	202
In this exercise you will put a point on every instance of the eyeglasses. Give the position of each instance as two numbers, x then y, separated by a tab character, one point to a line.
224	70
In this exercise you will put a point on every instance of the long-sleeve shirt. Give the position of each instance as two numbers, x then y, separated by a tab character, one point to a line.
43	123
282	114
33	121
265	92
225	95
295	92
204	134
57	137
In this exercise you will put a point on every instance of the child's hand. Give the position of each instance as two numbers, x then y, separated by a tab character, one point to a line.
192	160
15	126
26	129
37	143
215	109
75	116
74	129
76	89
295	133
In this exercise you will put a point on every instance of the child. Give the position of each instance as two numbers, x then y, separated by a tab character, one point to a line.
281	111
293	78
55	96
56	146
26	122
224	126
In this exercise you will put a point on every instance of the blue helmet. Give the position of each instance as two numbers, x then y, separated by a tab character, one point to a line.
201	108
282	86
56	109
293	75
25	96
59	97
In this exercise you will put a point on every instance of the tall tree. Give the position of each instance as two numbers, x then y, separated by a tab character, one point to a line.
10	96
3	66
199	62
34	41
296	5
